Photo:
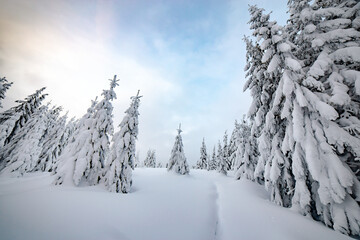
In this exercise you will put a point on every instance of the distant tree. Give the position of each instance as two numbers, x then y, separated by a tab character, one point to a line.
212	164
177	161
4	86
202	162
233	146
225	152
246	156
119	174
150	160
159	165
222	165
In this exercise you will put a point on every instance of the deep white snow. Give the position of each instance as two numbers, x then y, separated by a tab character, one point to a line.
161	206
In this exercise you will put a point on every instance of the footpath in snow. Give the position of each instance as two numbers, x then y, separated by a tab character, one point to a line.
162	206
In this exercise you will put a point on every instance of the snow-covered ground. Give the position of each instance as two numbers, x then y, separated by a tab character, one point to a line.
162	206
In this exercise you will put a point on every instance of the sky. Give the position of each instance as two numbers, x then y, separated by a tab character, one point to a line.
186	57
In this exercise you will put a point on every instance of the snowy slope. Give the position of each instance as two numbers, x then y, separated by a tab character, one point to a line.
162	206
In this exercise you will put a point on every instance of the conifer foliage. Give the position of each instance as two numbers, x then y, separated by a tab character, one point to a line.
305	113
22	153
246	155
4	86
212	162
150	160
233	145
225	152
87	153
12	120
222	164
177	161
122	161
203	161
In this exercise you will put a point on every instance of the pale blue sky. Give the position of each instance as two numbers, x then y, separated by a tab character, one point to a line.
186	57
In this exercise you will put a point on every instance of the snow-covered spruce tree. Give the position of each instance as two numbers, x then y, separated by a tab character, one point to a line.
177	161
273	162
233	145
119	174
91	145
332	33
76	148
66	138
103	129
313	141
324	111
159	165
22	153
212	164
150	160
261	83
246	156
4	86
222	165
12	120
55	140
225	152
203	161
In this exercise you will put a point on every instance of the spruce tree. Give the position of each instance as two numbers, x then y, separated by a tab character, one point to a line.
261	83
306	148
22	153
4	86
222	165
55	141
12	120
233	145
87	153
225	152
325	113
203	161
119	172
212	164
274	165
246	156
150	160
102	131
177	161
